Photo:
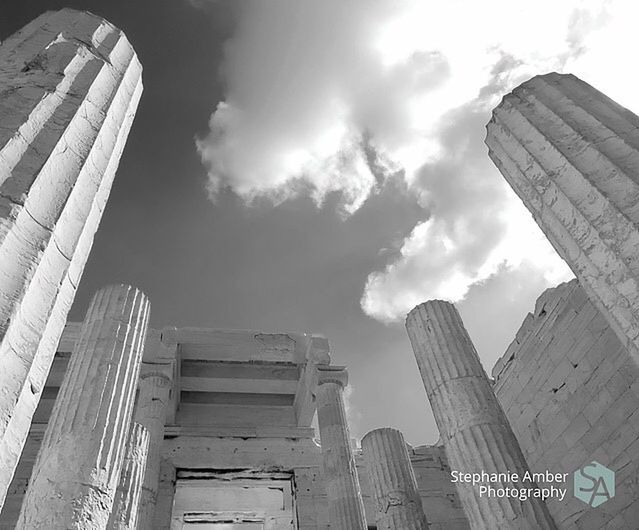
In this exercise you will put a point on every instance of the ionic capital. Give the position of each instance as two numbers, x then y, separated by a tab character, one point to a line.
164	372
332	374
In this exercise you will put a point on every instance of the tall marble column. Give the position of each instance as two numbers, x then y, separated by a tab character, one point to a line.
76	473
70	83
346	509
127	496
155	388
473	427
572	156
399	506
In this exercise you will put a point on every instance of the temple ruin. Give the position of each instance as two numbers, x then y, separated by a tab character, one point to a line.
109	423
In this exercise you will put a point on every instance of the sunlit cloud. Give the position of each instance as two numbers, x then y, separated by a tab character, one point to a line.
335	98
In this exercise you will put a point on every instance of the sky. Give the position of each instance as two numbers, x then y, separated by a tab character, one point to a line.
320	167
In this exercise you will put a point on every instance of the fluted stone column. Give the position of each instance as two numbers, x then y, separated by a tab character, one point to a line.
127	496
346	509
77	470
70	83
472	424
155	389
398	504
572	156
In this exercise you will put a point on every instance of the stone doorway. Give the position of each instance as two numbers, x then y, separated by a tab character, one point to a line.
233	500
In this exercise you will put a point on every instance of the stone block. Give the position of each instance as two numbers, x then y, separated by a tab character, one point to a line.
598	405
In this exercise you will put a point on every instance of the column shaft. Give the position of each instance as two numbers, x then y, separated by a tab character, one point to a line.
78	466
472	425
70	83
346	509
127	496
572	156
399	506
153	399
166	493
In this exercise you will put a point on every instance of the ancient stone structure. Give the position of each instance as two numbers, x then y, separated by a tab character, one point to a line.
571	154
237	441
69	87
191	427
155	385
78	467
570	391
399	506
438	494
124	514
473	427
346	510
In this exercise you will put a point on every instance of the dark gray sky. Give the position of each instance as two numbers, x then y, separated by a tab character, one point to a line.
344	256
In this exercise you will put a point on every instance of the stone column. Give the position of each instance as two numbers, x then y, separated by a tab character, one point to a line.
127	497
166	493
78	467
572	156
346	509
155	389
69	87
399	506
472	424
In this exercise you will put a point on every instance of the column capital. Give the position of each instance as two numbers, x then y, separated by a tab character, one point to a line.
165	371
332	374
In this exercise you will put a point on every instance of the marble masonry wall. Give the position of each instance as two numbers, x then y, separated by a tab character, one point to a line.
570	390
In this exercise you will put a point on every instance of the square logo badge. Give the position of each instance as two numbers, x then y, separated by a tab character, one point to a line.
594	484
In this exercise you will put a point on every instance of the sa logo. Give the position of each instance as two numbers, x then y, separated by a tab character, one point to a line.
594	484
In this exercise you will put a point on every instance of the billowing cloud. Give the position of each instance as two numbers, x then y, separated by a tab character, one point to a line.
336	97
476	227
309	97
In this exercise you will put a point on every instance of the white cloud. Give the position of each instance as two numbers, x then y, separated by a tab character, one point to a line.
308	93
477	227
313	88
439	260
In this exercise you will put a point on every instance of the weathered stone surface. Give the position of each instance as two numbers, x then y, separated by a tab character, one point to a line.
572	156
399	506
310	499
155	387
69	87
569	389
346	510
77	470
262	448
438	494
166	493
127	496
440	499
472	425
